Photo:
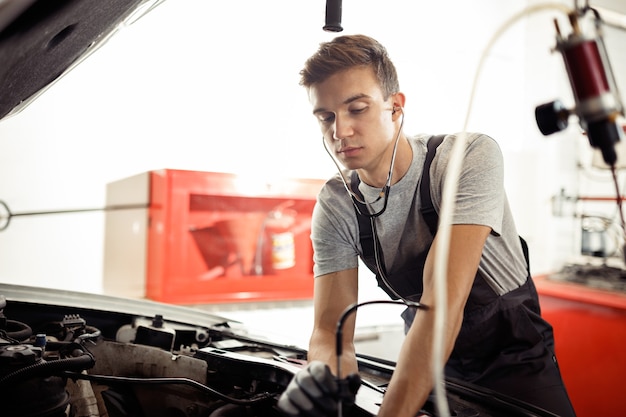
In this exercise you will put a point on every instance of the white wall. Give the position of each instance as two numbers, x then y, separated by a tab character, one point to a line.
213	86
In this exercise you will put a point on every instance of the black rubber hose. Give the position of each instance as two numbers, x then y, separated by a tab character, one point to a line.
48	368
18	330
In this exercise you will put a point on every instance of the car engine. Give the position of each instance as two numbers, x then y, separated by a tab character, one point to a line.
70	366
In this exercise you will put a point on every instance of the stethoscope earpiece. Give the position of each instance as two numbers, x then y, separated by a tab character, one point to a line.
384	191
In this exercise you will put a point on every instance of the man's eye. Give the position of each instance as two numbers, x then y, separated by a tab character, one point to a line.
326	117
358	110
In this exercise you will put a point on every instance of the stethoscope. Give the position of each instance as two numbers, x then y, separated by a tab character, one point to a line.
362	206
357	201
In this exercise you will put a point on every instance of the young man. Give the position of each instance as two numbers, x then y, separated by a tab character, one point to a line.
494	335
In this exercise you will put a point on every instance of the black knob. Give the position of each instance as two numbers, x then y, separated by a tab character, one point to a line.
551	117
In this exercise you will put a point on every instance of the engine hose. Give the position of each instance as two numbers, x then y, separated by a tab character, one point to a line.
87	332
48	368
109	379
94	333
18	330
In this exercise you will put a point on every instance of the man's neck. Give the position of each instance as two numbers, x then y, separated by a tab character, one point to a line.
403	158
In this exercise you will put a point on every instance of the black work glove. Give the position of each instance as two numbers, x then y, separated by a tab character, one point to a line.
314	392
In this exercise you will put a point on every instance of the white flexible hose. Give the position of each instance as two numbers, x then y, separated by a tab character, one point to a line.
445	216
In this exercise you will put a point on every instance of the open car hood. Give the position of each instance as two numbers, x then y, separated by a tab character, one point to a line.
41	40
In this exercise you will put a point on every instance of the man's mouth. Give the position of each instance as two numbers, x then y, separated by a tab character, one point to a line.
349	151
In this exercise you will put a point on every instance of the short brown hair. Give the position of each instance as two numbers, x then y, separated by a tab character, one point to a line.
350	51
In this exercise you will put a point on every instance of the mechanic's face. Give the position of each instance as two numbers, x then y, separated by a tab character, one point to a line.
357	123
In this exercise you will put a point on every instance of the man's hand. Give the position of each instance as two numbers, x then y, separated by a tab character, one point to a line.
314	392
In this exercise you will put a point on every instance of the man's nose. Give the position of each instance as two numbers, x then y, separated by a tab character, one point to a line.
342	128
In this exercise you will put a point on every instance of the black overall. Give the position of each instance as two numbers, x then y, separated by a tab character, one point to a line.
504	344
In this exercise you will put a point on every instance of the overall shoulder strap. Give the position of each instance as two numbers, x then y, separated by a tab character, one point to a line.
366	237
366	233
427	209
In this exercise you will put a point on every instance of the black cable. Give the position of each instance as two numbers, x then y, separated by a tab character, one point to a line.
343	383
353	308
171	381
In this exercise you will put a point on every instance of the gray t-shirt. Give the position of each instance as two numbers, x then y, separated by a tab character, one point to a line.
402	232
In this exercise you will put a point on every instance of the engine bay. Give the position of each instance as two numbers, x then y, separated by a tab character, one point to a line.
66	354
76	364
62	360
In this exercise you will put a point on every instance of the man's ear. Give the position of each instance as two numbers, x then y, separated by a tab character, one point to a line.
398	100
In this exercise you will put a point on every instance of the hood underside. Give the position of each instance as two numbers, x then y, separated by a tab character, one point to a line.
42	39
